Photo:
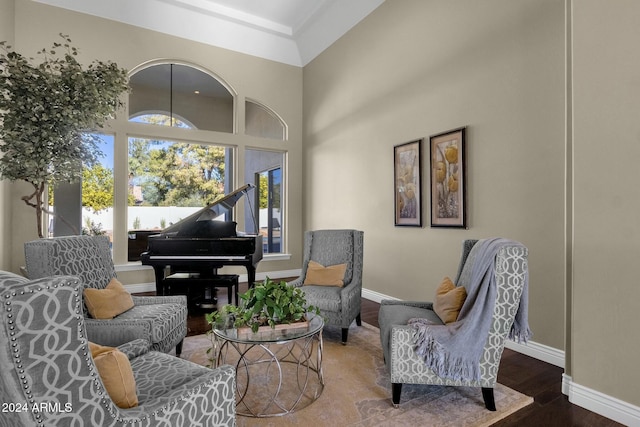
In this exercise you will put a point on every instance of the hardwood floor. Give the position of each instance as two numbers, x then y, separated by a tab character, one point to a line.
525	374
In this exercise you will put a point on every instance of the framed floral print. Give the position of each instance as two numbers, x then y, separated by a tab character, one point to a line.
448	182
408	184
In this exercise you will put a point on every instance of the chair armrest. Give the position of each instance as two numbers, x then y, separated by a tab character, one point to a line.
402	335
351	290
297	282
114	332
216	385
401	339
148	300
135	348
420	304
208	398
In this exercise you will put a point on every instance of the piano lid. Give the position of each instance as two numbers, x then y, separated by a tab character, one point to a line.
209	213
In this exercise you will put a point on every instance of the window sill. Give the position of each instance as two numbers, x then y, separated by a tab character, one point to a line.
276	257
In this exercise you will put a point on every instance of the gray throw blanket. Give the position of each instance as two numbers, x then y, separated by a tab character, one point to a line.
453	351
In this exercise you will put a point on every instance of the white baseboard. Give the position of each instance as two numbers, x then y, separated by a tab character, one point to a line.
375	296
538	351
141	287
607	406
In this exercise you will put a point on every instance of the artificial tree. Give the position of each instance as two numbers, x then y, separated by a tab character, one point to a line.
48	113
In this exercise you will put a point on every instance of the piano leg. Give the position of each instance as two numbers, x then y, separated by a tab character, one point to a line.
251	275
159	272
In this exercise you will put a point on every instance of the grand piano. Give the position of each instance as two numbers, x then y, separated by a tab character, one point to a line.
202	243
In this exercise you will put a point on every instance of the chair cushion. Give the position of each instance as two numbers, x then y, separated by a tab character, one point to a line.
109	302
164	318
449	300
318	274
161	376
326	298
115	371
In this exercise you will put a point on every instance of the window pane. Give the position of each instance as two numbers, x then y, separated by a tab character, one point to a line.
151	92
181	93
94	193
265	169
97	192
169	180
261	122
270	217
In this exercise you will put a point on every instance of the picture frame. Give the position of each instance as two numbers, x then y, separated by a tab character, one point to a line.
407	172
448	178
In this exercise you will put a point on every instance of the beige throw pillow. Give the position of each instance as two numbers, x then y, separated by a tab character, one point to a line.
449	300
108	302
318	274
115	371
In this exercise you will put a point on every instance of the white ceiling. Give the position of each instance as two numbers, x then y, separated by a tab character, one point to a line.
289	31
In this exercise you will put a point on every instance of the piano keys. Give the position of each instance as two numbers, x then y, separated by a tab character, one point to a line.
202	243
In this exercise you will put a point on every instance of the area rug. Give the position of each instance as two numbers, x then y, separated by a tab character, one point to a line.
357	391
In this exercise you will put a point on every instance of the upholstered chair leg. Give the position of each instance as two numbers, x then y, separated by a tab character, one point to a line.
345	334
359	320
489	401
179	348
396	390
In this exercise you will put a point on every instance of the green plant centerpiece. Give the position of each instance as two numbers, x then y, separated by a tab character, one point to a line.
48	113
267	303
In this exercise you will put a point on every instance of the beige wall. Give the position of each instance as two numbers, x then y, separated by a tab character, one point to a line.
606	130
6	34
416	68
276	85
553	144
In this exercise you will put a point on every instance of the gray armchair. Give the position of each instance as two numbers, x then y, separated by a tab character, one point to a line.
160	320
45	360
338	305
510	271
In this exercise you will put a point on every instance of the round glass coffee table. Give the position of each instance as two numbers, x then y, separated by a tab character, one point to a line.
278	371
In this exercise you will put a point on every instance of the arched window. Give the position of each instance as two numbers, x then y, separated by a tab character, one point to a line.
170	179
182	91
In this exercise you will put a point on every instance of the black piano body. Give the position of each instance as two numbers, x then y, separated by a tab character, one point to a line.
202	243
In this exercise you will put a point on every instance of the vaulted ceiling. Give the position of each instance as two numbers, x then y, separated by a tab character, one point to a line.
289	31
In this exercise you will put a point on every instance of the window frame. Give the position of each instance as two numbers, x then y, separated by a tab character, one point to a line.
122	129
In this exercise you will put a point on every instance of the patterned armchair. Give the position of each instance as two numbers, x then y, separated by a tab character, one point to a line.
160	320
338	305
49	376
397	338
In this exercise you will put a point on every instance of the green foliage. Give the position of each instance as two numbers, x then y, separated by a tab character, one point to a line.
46	111
263	191
177	174
92	229
97	187
267	303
